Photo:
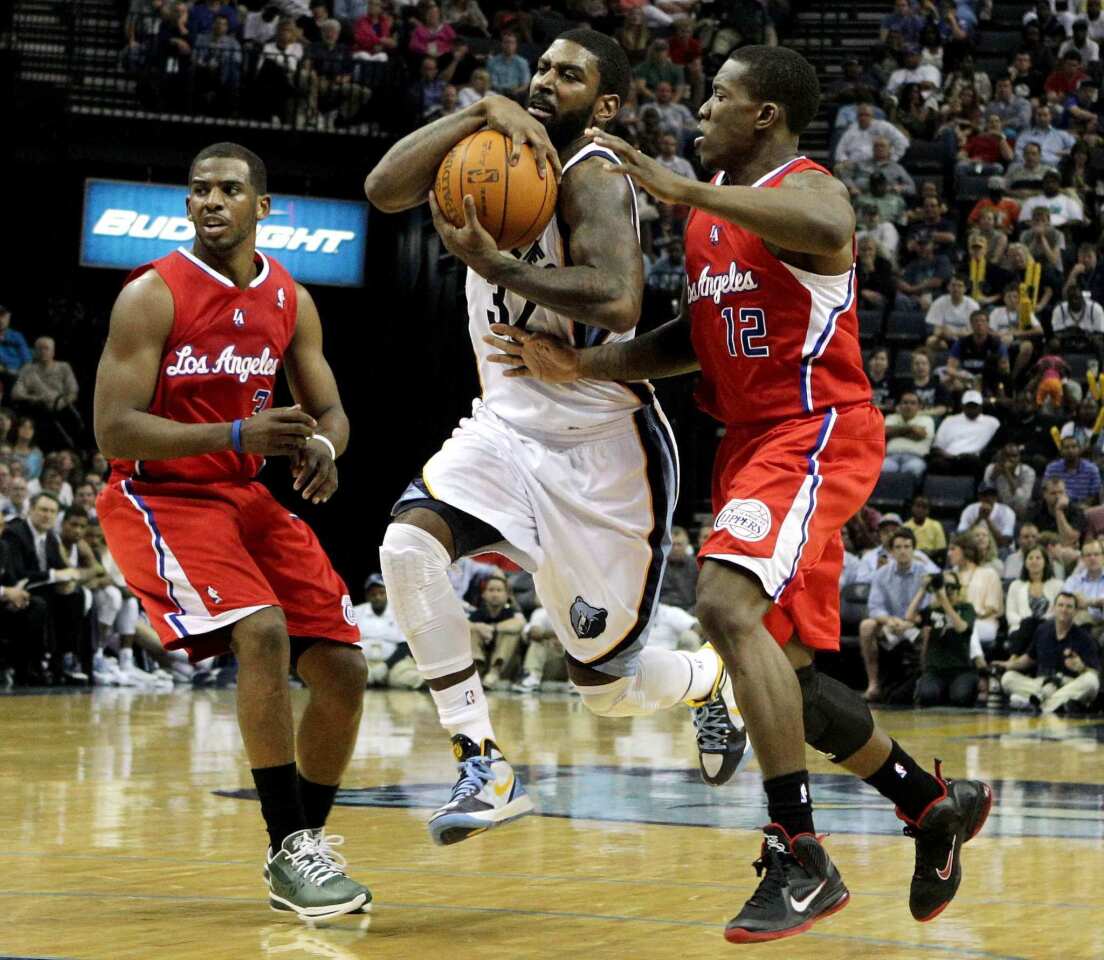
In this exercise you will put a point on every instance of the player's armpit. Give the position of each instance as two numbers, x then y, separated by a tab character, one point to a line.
127	375
597	208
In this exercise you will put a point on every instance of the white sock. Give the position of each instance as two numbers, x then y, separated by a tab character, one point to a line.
671	677
126	658
704	667
462	708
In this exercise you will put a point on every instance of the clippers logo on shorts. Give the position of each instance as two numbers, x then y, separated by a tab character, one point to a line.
744	519
587	621
347	610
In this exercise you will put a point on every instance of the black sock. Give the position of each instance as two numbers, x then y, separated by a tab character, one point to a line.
281	805
788	802
901	780
318	798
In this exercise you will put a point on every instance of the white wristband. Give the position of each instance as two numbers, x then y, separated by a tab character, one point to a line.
328	442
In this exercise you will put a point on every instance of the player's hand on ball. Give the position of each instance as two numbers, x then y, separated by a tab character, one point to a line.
470	243
654	177
315	472
537	355
510	118
281	431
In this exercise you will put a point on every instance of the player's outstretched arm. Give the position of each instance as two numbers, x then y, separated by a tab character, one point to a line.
315	389
406	173
127	377
603	286
811	213
666	351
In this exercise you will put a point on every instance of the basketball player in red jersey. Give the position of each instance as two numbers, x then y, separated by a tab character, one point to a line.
768	317
183	409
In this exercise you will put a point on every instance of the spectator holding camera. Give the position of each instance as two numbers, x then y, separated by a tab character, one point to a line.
948	674
1062	665
981	588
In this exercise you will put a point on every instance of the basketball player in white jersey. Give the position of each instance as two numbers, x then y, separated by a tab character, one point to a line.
577	483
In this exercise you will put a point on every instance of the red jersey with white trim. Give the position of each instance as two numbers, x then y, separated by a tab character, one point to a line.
774	342
220	360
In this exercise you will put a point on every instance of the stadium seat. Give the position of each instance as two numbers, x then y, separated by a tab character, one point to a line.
970	188
892	491
902	366
948	495
870	325
1002	41
1078	364
906	326
853	609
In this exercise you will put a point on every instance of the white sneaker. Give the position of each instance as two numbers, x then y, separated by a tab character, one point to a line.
487	794
528	684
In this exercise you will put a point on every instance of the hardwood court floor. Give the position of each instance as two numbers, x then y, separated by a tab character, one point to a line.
122	838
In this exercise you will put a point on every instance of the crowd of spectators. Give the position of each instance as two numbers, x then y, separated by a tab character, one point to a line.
970	140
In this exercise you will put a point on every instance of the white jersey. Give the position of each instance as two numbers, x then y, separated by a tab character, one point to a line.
525	403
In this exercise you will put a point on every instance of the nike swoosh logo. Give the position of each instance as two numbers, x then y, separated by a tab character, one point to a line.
945	873
501	791
802	905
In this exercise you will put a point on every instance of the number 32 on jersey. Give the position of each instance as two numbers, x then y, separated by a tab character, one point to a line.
744	332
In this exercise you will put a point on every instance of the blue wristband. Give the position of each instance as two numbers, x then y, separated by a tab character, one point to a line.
235	436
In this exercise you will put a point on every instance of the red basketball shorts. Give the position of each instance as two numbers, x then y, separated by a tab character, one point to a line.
202	557
781	495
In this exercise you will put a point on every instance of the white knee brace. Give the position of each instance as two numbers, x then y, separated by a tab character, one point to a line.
430	615
617	699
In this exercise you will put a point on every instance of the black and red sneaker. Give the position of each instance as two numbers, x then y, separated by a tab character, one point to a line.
940	831
800	886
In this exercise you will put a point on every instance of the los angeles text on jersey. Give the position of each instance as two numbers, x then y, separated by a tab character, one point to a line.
710	286
228	363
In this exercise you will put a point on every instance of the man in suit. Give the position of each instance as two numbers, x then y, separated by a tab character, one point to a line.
22	625
36	557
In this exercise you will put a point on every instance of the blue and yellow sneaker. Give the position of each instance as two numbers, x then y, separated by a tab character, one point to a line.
487	794
723	745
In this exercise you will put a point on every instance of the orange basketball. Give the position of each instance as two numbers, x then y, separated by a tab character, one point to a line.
513	203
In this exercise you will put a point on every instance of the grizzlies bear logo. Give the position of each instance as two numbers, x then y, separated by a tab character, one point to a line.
587	621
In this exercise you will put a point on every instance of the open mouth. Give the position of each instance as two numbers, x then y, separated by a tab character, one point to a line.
215	226
541	110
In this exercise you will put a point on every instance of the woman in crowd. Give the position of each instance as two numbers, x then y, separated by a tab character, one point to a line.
24	449
881	384
986	546
1030	599
981	588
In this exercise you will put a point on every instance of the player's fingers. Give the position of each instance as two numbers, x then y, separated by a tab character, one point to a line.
518	372
515	147
318	484
471	219
519	334
289	415
506	346
506	359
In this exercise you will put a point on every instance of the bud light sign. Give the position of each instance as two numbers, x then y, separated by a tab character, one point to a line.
127	224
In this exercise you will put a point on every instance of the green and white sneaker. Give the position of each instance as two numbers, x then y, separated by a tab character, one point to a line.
307	877
487	794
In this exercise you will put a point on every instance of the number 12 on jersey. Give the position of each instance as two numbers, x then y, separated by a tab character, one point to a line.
752	327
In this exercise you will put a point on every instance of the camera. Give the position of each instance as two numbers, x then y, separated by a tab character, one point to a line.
935	583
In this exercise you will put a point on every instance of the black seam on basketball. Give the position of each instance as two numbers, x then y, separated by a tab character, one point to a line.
544	197
507	144
463	161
